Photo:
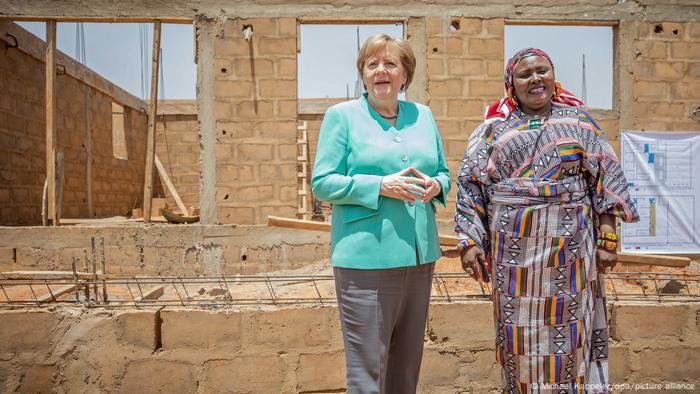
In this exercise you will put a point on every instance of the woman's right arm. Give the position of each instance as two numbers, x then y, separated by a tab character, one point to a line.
330	181
471	211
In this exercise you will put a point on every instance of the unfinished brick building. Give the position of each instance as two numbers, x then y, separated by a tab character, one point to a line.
237	161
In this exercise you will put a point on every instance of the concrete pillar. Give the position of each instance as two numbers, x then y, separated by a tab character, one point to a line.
205	32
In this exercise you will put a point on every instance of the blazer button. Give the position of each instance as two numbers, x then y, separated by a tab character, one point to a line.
404	158
397	139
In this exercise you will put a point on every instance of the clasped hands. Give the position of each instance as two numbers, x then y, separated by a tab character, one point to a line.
401	186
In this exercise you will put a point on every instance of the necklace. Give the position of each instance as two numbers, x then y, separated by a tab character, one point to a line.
392	117
536	121
389	117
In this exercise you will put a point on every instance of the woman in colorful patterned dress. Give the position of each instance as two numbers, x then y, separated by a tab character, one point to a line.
538	192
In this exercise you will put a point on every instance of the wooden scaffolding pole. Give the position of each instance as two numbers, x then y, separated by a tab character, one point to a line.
152	111
50	101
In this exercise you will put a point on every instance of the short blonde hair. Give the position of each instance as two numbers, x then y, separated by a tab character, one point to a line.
379	42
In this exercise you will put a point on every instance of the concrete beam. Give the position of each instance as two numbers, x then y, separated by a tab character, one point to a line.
107	10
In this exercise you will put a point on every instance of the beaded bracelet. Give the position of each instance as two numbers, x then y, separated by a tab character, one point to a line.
464	244
609	236
606	244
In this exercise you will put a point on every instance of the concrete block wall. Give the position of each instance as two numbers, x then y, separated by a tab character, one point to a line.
666	72
117	184
185	251
177	147
22	137
299	350
464	58
255	91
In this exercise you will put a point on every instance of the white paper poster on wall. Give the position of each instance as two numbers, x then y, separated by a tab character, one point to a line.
663	173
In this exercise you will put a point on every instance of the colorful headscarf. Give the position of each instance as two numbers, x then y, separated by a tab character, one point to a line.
499	110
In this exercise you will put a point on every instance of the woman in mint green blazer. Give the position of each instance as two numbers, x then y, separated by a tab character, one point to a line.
380	163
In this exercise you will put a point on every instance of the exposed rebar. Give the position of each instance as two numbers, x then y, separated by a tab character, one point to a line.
453	291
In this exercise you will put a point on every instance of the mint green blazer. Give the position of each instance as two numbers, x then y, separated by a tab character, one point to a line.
356	148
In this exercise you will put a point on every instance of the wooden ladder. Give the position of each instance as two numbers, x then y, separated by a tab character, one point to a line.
302	171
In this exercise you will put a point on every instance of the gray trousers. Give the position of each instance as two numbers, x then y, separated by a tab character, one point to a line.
383	313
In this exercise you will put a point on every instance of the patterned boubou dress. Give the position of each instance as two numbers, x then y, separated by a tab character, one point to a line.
529	194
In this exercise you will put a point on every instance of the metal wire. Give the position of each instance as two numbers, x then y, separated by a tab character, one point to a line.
22	292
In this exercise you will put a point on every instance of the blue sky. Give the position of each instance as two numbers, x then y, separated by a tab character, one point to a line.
113	51
326	65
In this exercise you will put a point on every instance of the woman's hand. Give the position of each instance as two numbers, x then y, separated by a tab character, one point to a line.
403	187
432	186
605	259
472	261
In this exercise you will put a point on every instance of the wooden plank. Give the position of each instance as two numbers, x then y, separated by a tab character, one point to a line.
173	217
166	179
448	240
581	22
45	203
275	221
653	259
62	19
152	113
60	166
350	21
50	102
451	241
48	275
152	294
55	293
627	258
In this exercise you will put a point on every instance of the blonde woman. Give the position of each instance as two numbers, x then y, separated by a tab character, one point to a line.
380	163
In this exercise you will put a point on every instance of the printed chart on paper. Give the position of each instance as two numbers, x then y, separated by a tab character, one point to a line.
663	173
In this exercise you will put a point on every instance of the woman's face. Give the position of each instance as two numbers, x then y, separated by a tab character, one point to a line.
383	74
533	84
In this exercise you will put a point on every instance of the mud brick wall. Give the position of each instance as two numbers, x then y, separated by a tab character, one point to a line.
117	185
300	350
255	91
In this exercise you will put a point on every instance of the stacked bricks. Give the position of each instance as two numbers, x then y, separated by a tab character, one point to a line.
300	350
255	92
117	184
177	147
22	138
666	76
465	73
